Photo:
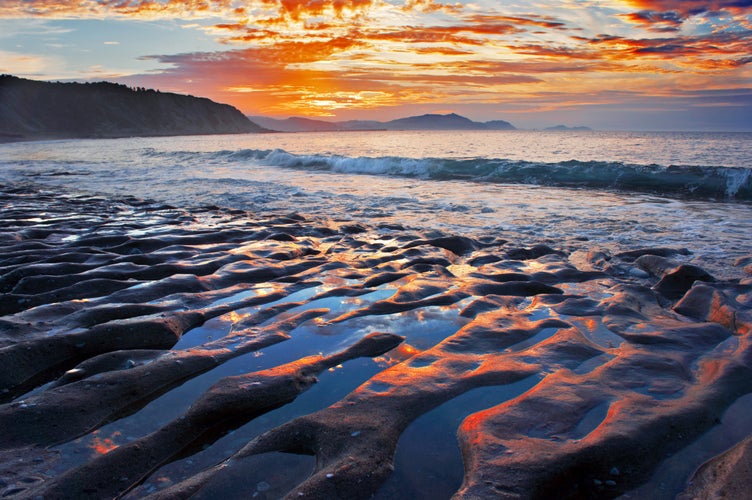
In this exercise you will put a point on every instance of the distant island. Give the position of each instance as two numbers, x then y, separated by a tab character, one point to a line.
450	121
31	109
567	129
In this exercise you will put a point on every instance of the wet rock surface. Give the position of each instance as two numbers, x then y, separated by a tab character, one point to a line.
148	350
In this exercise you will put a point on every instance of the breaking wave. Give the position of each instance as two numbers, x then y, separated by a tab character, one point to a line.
701	182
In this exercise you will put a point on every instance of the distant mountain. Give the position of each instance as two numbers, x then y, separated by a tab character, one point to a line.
299	124
499	125
435	122
565	128
294	124
424	122
32	109
362	125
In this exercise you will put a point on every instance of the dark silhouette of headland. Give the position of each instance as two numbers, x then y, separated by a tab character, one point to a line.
32	109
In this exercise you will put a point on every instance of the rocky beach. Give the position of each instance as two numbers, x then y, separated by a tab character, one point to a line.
611	363
383	250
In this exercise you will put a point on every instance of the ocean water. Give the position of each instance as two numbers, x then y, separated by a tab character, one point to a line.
579	190
613	190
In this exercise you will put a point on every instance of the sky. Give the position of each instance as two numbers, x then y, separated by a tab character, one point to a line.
613	65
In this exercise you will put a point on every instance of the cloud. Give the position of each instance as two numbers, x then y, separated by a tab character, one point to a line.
430	6
177	9
28	65
11	28
686	8
536	21
324	56
656	21
694	48
473	35
297	9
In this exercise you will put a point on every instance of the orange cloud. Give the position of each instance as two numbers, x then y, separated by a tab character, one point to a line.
541	21
443	50
281	9
470	34
297	10
554	51
131	8
431	6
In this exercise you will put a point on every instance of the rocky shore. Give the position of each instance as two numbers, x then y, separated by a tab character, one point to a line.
114	308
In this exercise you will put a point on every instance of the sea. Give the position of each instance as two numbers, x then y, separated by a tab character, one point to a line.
588	190
613	190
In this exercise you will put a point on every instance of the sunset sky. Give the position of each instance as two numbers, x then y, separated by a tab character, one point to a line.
628	64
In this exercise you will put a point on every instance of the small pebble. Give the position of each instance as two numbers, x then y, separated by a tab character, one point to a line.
615	471
263	486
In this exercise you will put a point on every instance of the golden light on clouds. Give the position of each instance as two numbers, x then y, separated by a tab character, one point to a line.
326	57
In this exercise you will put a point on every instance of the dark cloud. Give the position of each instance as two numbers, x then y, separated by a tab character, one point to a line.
660	22
686	8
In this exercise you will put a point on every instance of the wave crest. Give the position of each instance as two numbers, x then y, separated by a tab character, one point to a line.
703	182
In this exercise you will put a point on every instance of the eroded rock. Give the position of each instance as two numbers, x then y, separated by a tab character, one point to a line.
620	357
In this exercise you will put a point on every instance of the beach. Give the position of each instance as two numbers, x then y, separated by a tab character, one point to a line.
384	250
162	351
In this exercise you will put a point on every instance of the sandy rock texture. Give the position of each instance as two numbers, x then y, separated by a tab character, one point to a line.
154	351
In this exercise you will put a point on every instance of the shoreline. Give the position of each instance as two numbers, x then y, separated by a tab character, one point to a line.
103	292
11	139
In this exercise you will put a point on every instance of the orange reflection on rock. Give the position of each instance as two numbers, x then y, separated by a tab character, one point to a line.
397	355
354	301
104	445
247	250
267	289
235	316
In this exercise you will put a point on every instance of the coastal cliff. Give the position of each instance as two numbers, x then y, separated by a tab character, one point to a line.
45	110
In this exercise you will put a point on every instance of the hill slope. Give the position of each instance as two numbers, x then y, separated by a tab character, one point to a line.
32	109
434	122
